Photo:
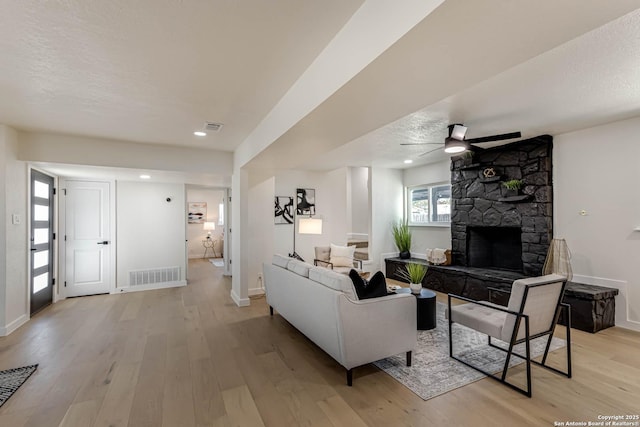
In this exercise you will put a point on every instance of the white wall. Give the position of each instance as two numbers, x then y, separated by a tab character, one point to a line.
195	232
423	237
150	231
386	209
260	231
597	170
14	287
358	199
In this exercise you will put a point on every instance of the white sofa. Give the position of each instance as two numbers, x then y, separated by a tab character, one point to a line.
323	305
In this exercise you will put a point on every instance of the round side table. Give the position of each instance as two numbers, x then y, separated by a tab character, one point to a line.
426	307
209	244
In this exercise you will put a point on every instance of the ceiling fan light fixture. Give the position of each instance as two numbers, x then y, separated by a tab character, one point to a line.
453	146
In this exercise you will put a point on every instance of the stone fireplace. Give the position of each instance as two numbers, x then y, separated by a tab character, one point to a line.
491	229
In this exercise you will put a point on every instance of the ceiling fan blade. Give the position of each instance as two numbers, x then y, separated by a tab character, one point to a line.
430	151
500	137
420	143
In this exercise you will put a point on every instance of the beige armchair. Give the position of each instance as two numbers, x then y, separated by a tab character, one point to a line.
342	261
533	311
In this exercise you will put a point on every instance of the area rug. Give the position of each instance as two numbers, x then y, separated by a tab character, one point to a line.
217	262
12	379
433	372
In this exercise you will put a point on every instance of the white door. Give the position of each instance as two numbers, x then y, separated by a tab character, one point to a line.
88	238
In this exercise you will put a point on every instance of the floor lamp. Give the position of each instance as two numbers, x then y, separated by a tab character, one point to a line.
306	226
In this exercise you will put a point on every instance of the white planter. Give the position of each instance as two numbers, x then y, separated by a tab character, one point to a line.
415	287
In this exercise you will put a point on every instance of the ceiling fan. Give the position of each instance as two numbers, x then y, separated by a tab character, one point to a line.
457	143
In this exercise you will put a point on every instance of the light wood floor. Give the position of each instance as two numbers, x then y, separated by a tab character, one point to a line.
189	356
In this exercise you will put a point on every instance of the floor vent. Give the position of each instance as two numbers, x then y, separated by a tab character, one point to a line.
156	275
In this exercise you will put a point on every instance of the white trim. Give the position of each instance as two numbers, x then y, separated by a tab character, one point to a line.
256	291
240	302
150	287
357	236
11	327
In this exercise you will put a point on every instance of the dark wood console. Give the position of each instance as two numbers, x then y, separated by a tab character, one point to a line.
592	307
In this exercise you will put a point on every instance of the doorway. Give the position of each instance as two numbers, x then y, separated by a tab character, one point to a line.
42	236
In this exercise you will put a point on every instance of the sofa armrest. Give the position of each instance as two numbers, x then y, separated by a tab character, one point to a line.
375	328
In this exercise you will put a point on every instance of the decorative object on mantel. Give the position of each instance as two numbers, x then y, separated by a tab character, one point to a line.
439	256
512	186
414	273
558	259
489	172
402	238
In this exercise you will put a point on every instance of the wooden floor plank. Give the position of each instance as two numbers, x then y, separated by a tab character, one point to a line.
189	356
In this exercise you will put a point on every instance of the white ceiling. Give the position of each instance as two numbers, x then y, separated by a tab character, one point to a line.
155	71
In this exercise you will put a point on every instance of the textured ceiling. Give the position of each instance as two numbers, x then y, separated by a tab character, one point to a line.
154	71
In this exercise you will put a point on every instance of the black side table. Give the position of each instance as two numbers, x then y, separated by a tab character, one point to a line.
426	307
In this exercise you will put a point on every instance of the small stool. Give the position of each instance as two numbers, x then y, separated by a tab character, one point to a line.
426	307
209	244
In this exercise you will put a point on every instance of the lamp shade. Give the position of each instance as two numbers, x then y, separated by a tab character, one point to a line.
209	226
310	226
453	146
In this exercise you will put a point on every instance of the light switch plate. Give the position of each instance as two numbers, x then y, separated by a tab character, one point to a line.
16	219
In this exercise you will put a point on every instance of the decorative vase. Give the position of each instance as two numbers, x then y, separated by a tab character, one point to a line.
405	255
415	287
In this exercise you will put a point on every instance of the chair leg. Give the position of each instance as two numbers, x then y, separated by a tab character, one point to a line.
450	326
349	377
271	310
408	358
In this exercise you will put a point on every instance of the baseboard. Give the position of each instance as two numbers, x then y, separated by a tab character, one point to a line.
6	330
150	287
256	291
240	302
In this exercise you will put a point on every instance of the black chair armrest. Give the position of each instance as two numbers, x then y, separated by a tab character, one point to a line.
504	291
328	264
484	304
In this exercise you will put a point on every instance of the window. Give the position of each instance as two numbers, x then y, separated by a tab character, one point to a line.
221	214
429	205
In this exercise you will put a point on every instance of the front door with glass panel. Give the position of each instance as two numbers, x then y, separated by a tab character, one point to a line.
41	241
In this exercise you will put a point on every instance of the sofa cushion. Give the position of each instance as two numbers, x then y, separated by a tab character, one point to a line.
299	267
333	280
280	260
376	287
342	256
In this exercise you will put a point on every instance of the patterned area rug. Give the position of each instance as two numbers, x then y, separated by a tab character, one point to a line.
12	379
434	373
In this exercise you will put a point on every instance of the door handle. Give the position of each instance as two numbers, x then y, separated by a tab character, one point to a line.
33	249
104	242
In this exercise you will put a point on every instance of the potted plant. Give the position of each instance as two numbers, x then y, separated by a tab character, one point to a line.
512	186
402	238
414	273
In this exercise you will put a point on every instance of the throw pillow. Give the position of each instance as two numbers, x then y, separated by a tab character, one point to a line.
342	256
376	287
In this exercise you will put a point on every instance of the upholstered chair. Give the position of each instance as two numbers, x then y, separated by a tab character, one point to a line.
337	258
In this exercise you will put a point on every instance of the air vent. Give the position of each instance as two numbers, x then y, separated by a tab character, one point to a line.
212	127
157	275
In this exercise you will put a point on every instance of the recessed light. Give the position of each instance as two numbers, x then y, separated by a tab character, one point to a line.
200	133
145	176
408	161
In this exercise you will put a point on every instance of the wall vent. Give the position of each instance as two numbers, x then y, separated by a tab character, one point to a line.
212	127
156	275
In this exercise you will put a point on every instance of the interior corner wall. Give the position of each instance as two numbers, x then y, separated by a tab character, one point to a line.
150	230
597	209
14	288
386	197
358	199
260	231
195	232
424	237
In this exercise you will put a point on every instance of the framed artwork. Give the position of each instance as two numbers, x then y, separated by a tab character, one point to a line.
283	213
306	201
197	212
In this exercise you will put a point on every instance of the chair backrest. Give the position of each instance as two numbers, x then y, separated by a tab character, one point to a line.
537	297
323	253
